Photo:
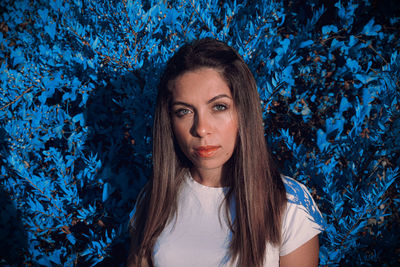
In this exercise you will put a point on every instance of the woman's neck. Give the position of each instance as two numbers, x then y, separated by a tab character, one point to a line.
208	177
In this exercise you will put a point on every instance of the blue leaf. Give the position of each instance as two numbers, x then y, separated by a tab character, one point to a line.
352	41
51	30
18	56
56	4
328	29
370	29
321	140
71	239
306	43
44	261
364	78
367	97
353	65
55	257
344	105
106	191
43	13
79	117
95	43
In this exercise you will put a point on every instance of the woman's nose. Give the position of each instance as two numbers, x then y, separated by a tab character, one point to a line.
201	125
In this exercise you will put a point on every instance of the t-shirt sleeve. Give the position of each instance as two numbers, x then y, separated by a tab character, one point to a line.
302	220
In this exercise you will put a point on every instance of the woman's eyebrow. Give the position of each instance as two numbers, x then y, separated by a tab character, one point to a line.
181	103
218	97
208	102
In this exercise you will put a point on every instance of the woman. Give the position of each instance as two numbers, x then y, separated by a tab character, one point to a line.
216	198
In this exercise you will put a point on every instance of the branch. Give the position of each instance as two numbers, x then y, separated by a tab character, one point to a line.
17	98
197	12
188	24
51	200
372	48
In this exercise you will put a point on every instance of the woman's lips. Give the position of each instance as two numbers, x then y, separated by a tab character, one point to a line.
206	151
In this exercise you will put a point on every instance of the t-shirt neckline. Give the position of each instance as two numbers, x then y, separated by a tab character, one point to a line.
194	184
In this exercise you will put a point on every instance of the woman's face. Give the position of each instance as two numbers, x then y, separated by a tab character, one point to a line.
204	118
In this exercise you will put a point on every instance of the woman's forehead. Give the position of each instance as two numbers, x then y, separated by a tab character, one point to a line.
203	83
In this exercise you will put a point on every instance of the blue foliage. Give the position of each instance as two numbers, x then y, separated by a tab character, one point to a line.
78	83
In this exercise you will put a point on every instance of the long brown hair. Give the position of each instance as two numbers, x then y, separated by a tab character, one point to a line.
255	184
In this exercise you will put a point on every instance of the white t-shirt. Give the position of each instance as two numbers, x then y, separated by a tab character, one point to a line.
199	235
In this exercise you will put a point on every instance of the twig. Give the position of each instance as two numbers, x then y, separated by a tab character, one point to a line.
373	49
17	98
194	7
51	200
187	25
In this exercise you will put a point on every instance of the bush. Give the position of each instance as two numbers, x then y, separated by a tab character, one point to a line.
78	85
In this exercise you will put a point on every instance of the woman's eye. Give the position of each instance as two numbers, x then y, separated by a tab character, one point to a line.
220	107
182	112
